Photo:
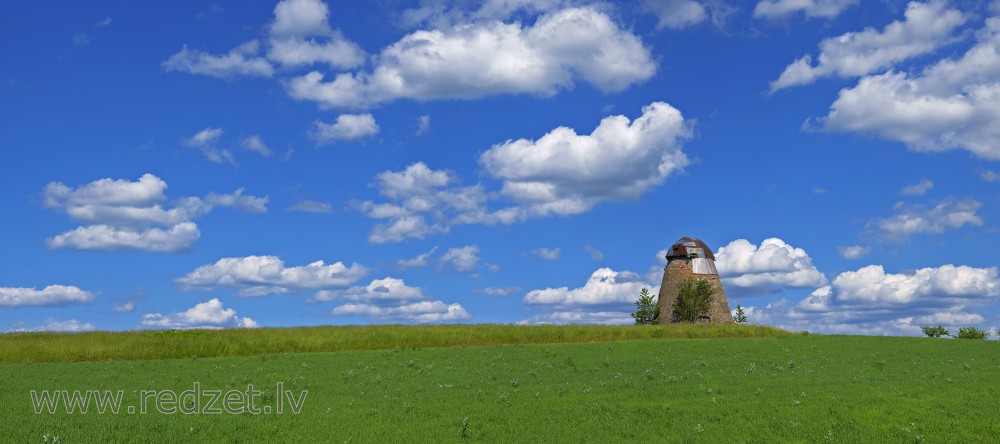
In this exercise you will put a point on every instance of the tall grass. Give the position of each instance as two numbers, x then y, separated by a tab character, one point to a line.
167	344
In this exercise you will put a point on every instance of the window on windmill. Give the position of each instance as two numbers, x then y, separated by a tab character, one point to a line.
695	252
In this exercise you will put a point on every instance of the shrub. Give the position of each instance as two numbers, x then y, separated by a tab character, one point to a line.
694	299
935	332
740	317
646	311
971	333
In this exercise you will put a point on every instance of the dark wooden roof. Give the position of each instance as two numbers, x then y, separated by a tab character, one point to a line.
689	247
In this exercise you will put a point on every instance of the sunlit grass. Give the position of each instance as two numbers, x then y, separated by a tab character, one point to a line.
792	388
166	344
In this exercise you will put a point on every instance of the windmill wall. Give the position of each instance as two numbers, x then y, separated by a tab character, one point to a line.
678	269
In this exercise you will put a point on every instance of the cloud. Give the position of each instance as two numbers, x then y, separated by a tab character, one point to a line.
125	215
391	300
463	259
70	325
209	314
347	127
561	173
107	21
949	105
946	215
125	307
264	275
854	251
240	61
582	317
335	51
605	287
927	27
675	14
990	176
550	254
778	9
300	17
81	39
917	189
871	301
565	173
300	35
256	144
423	124
420	261
421	312
594	253
48	296
747	268
490	57
386	289
417	193
205	141
499	291
311	206
175	239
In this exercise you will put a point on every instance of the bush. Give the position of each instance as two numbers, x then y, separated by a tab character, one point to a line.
740	317
694	299
646	312
971	333
935	332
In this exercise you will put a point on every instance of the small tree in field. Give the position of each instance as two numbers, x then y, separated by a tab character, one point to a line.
740	317
971	333
694	299
646	311
935	332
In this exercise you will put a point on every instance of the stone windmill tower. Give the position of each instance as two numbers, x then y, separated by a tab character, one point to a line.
690	257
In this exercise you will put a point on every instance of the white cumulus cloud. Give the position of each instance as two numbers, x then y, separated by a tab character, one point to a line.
50	295
853	251
263	275
745	267
566	173
125	215
605	287
391	300
777	9
240	61
676	13
949	105
462	258
209	314
549	254
917	189
871	301
927	27
483	58
946	215
346	127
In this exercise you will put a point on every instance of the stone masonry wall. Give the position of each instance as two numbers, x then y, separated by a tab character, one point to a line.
678	270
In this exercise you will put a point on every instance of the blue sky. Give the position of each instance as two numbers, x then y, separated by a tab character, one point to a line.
200	164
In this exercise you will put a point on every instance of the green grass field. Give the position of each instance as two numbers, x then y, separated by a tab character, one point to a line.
570	384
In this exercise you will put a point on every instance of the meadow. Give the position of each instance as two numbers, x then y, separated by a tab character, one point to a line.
591	385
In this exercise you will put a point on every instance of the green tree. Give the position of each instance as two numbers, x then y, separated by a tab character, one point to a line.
971	333
646	311
694	299
935	332
740	317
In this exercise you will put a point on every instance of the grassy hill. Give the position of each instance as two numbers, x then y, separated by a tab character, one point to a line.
592	387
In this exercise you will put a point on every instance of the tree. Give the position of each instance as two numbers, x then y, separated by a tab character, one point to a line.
935	332
694	299
646	311
740	317
971	333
